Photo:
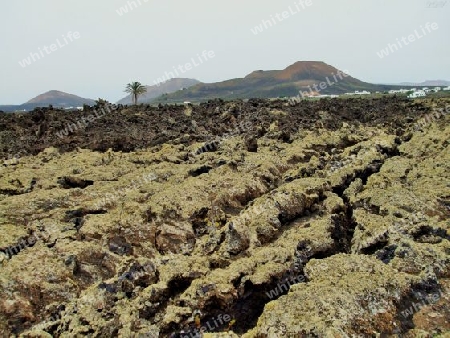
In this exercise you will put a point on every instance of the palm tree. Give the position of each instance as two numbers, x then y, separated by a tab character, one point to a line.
135	89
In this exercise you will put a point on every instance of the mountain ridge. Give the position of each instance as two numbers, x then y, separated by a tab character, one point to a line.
434	83
56	98
154	91
287	82
60	99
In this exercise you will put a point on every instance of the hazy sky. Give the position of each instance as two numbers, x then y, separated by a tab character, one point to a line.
112	49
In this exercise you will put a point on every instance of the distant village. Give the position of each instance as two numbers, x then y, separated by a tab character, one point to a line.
414	92
419	92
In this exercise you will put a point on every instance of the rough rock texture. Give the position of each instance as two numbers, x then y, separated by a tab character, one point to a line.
256	219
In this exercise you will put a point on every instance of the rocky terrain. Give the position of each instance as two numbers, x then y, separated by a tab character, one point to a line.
328	218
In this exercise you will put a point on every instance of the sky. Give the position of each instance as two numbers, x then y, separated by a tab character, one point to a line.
93	48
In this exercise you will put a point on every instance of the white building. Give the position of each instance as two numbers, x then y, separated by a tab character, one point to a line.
327	95
399	91
419	93
446	88
364	92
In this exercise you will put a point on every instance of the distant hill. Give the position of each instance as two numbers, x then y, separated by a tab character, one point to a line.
168	87
60	99
275	83
53	97
428	83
